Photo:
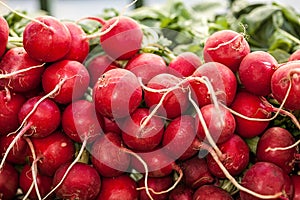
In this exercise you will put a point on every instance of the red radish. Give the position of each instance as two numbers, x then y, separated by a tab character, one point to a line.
99	65
120	187
110	125
37	123
285	82
223	82
257	67
251	106
124	40
19	72
44	183
117	93
108	156
34	116
211	192
196	173
19	152
80	122
179	136
184	64
158	162
9	182
236	157
75	76
295	55
181	192
267	179
296	183
4	33
82	182
221	123
144	139
171	104
227	47
10	105
277	137
79	49
146	66
47	41
53	151
158	185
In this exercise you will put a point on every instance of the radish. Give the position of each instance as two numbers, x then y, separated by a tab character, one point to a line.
184	64
277	137
285	85
9	182
19	72
53	151
221	78
236	155
268	179
159	163
179	136
146	66
221	123
251	106
26	182
295	55
4	33
145	138
10	105
111	126
211	192
227	47
80	122
156	184
117	93
71	77
123	40
196	173
257	67
170	104
19	152
46	39
79	49
82	182
108	156
99	65
120	187
36	123
181	192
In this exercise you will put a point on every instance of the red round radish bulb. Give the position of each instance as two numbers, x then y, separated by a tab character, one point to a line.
184	64
9	182
82	182
257	67
73	77
124	40
277	137
119	187
287	75
17	59
227	47
117	93
47	41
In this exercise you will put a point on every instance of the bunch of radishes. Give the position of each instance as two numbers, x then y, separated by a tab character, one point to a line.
129	124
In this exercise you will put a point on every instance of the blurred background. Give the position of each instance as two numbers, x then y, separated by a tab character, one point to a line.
75	9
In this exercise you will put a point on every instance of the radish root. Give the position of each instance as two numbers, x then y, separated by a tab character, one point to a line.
9	75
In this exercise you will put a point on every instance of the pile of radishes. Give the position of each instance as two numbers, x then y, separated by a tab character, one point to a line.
129	124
